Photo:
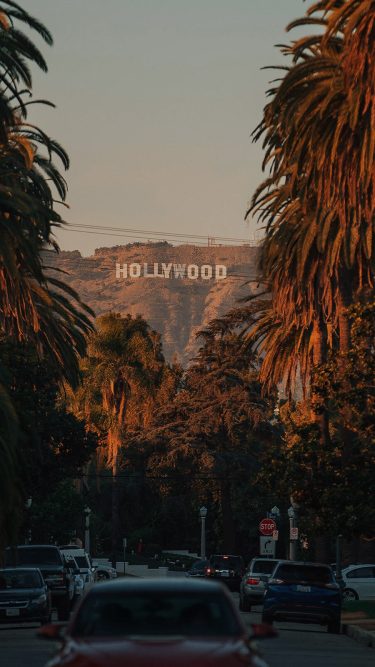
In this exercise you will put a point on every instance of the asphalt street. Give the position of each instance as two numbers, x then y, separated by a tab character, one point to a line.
296	646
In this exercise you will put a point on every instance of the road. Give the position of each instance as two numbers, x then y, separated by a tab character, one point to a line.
297	646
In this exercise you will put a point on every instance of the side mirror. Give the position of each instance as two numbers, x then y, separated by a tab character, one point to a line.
262	631
52	631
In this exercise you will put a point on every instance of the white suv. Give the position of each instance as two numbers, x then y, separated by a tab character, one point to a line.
359	582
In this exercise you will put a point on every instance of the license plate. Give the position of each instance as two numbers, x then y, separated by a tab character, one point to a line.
304	589
12	612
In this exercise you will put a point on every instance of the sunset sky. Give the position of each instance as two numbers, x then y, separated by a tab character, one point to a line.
156	103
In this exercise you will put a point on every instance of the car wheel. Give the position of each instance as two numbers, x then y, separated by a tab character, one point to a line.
244	604
349	595
266	618
334	627
101	575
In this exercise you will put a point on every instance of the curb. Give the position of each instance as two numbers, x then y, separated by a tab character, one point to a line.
361	636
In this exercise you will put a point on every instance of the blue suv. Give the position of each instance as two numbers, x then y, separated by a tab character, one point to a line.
304	593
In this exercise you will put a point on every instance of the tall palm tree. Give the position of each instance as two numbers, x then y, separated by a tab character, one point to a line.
120	376
318	202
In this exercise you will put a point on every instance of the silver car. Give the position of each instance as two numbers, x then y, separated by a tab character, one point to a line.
252	587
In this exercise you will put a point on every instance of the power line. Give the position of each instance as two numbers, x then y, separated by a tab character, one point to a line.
145	233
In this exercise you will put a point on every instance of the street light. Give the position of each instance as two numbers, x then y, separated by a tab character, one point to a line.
203	514
87	512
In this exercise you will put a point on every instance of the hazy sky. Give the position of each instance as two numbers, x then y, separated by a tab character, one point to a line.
156	102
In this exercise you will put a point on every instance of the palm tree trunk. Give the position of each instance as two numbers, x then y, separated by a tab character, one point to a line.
115	510
320	415
229	536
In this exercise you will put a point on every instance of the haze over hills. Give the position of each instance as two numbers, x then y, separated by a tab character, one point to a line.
174	292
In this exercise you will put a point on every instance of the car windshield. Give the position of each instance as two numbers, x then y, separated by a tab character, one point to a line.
226	562
36	556
16	579
305	573
120	614
263	566
81	561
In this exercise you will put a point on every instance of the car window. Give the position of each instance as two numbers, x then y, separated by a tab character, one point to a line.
226	562
199	565
361	573
17	579
263	566
305	573
118	614
35	556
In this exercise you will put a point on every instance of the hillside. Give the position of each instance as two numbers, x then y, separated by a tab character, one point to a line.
175	306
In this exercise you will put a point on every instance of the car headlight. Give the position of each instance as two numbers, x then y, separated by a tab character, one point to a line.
40	600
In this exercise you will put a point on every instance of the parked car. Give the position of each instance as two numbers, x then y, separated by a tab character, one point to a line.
24	596
252	586
359	582
198	568
158	622
303	592
103	571
229	569
80	560
57	573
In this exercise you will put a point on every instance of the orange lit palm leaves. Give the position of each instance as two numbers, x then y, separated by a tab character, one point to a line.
120	375
319	201
33	305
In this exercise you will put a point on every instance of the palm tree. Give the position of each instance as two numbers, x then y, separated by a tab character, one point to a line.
317	203
120	376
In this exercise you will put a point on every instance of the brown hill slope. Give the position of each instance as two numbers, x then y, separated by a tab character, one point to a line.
176	307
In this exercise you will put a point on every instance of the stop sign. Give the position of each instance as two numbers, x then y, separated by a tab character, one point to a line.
267	526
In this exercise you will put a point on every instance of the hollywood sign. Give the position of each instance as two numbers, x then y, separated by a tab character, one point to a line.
170	270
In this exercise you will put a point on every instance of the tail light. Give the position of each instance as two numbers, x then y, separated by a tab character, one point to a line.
252	582
209	570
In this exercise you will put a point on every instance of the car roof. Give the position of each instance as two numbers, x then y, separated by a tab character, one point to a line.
170	585
304	563
352	567
34	546
19	568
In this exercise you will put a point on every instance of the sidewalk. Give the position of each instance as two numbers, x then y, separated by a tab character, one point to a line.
359	628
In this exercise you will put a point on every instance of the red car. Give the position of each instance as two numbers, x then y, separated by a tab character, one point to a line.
151	623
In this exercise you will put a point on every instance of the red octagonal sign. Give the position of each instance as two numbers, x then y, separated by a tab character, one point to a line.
267	526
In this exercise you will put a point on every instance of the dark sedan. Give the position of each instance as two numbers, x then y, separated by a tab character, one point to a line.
229	569
162	623
24	596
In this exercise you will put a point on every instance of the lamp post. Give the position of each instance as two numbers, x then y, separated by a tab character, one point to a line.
292	543
28	535
203	514
87	512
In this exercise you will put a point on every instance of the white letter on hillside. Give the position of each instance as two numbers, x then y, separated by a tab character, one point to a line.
179	270
121	271
134	270
206	271
220	272
166	270
193	271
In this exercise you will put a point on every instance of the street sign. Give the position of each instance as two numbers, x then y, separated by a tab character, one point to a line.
267	546
294	533
275	535
267	526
